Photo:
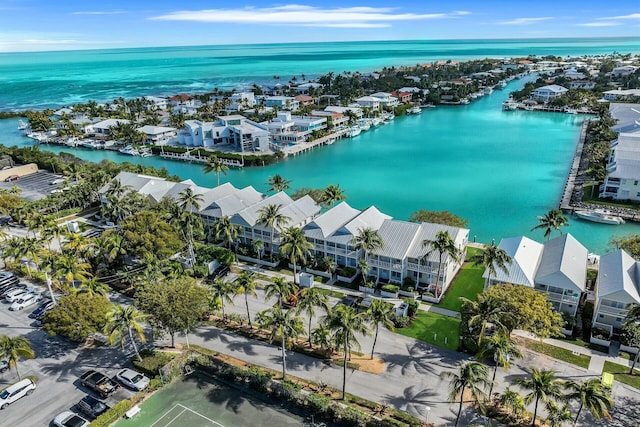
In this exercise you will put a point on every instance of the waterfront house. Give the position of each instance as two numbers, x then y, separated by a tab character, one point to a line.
103	127
337	119
624	70
240	101
304	100
626	116
159	135
157	102
344	110
547	93
557	268
240	133
368	102
282	102
386	99
582	84
306	87
287	129
573	74
623	168
622	95
404	97
617	289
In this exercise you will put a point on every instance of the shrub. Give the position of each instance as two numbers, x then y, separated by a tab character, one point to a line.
390	288
401	322
600	334
112	415
151	362
318	404
408	282
259	380
413	307
347	272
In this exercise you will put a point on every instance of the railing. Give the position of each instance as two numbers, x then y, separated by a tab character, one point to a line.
562	298
395	266
617	312
422	268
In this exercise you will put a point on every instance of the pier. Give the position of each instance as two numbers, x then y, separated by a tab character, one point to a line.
310	145
188	157
577	165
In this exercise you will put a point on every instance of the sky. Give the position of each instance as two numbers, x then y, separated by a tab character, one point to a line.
40	25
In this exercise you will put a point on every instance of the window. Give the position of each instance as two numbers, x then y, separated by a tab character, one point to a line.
635	182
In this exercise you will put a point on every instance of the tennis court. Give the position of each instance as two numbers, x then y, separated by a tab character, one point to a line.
200	401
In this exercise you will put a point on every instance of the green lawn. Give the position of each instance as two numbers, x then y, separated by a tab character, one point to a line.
332	293
468	283
556	352
427	324
584	344
620	373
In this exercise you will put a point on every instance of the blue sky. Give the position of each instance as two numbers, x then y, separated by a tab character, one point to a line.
36	25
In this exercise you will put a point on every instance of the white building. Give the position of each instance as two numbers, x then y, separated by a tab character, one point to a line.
157	102
288	129
368	102
159	135
242	101
547	93
282	102
337	119
623	168
624	70
386	99
621	95
237	131
104	127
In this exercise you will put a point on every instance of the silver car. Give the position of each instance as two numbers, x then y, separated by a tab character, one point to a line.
133	379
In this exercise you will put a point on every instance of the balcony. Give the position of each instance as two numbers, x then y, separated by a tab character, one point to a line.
612	311
421	268
561	298
382	264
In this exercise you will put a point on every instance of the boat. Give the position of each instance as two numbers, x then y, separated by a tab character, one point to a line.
509	105
415	110
501	84
571	111
601	216
329	141
387	117
364	124
353	131
129	151
376	121
145	152
488	90
22	125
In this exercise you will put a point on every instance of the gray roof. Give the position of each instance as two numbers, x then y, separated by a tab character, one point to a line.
563	264
369	218
330	221
525	256
151	186
249	215
618	277
627	117
428	233
627	156
398	238
233	203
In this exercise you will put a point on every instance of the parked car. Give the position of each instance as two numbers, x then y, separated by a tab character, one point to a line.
91	407
5	220
4	365
11	288
12	178
16	391
42	309
15	294
26	301
8	278
133	379
57	181
98	382
69	419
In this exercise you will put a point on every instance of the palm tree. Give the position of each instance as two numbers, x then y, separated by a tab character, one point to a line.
552	220
471	376
501	349
344	323
296	246
487	309
367	240
592	394
217	166
223	291
380	312
310	298
94	287
13	349
258	247
189	201
122	321
543	385
492	257
443	244
284	323
30	247
513	400
246	285
271	216
558	415
277	183
280	287
363	266
227	231
71	269
331	195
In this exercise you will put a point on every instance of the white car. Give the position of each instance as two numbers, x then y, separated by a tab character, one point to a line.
24	302
57	181
16	391
133	379
69	419
15	294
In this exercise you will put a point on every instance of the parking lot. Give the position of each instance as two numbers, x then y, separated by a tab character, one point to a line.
36	185
58	365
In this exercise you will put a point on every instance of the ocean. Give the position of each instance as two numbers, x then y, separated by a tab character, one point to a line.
498	169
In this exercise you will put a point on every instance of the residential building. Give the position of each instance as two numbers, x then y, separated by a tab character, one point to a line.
306	87
157	102
282	102
159	135
337	119
582	84
103	128
386	99
622	95
626	116
547	93
344	110
623	168
304	100
624	70
617	289
368	102
242	101
289	129
237	131
404	97
557	268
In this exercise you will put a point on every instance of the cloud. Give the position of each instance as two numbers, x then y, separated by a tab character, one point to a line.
302	15
114	12
630	16
525	21
599	24
35	41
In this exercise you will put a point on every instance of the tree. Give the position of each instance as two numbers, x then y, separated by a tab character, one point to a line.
121	322
592	394
283	323
226	231
310	298
552	220
557	415
331	195
492	257
146	232
258	247
173	305
271	216
443	245
529	310
543	385
512	400
630	336
344	323
94	287
15	348
501	349
277	183
76	316
189	202
380	312
217	166
471	376
629	243
71	269
246	285
442	217
477	315
367	240
296	246
222	291
364	267
279	287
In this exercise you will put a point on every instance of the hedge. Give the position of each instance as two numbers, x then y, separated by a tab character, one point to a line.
151	362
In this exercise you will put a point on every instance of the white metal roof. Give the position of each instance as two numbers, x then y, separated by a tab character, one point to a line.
618	277
525	256
563	264
627	156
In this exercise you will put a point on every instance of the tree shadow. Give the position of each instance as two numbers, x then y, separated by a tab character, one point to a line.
422	358
413	400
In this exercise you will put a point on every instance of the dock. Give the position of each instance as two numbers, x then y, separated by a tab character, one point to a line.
188	157
310	145
577	165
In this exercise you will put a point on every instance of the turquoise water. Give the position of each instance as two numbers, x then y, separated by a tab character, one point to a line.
49	79
499	169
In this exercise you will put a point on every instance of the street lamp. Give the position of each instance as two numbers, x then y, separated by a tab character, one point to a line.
428	409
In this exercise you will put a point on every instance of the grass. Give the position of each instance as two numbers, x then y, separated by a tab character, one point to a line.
620	373
433	328
585	344
468	283
559	353
332	293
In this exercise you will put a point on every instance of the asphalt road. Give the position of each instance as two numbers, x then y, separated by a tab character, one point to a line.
58	364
